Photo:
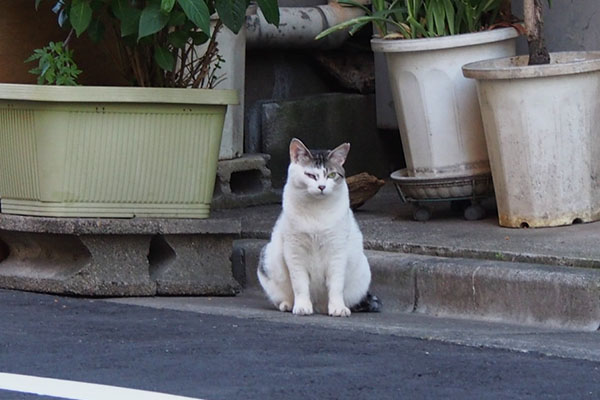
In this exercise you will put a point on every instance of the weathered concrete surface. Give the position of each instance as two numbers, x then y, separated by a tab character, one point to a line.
568	25
117	257
518	293
192	264
387	225
79	265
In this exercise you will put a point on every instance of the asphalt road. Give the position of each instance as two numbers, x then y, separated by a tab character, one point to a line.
220	357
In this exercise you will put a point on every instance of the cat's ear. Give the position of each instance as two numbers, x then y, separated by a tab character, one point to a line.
339	154
298	152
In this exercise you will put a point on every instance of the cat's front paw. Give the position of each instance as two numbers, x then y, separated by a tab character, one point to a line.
303	308
285	306
339	311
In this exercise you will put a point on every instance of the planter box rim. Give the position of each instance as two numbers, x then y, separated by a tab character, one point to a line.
443	42
116	94
561	63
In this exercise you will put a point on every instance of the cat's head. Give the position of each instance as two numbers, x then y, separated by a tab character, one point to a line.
319	172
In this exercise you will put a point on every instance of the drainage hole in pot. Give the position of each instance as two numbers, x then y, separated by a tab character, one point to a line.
577	221
524	225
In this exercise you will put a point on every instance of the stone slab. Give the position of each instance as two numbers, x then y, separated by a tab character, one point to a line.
115	226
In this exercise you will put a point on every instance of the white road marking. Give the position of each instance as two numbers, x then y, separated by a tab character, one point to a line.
77	390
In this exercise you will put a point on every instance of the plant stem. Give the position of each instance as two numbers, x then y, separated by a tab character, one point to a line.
211	51
534	24
68	39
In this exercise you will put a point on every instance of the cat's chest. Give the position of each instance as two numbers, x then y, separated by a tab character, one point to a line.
319	245
317	223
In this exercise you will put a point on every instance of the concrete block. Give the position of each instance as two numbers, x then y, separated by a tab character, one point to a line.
248	253
117	257
76	265
244	181
393	280
323	122
510	292
192	264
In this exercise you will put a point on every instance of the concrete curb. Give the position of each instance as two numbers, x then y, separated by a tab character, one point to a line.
521	293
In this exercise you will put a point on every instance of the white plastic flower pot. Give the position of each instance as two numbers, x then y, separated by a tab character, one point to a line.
542	126
436	106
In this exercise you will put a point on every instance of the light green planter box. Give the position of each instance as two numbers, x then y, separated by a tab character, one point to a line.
108	151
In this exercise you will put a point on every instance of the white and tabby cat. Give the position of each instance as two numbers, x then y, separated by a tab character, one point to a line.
315	259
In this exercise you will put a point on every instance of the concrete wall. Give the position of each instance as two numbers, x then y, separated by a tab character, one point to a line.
569	25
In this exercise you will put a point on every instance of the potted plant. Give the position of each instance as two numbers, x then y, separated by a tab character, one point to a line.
426	42
541	116
150	150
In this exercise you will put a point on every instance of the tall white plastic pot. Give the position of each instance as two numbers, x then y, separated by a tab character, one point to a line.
542	126
436	106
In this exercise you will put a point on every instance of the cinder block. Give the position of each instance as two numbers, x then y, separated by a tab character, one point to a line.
248	253
244	181
117	257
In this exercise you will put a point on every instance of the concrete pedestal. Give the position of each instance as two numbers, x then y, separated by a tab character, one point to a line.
118	257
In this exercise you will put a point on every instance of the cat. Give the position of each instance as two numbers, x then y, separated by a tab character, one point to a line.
315	259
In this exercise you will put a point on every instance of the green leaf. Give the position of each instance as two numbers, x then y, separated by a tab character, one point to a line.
199	38
177	18
439	16
152	19
167	5
37	3
197	12
128	15
96	31
450	15
429	20
164	58
178	39
80	16
35	56
232	13
354	21
270	10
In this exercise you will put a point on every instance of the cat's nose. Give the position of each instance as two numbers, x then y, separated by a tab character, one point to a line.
321	187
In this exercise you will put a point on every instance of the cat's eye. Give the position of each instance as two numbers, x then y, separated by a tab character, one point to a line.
311	176
332	175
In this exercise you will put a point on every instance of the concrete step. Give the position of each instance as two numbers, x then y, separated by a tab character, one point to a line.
490	290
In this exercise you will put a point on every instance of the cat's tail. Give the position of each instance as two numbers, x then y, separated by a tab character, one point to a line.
369	303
